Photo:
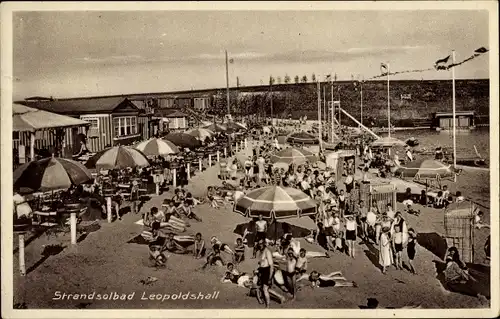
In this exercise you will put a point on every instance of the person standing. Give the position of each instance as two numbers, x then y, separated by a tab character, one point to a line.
266	270
350	234
385	253
260	233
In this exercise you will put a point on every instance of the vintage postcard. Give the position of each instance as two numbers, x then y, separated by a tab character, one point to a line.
252	159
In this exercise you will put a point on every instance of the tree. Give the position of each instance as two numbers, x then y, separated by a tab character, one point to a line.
313	77
287	79
278	79
296	79
304	79
271	80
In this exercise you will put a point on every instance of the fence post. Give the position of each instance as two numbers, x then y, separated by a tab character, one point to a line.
22	264
174	177
199	165
209	160
188	171
72	222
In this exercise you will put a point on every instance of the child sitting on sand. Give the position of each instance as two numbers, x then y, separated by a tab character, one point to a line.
199	247
239	251
214	258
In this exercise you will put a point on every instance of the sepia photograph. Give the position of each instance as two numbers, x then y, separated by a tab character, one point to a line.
272	159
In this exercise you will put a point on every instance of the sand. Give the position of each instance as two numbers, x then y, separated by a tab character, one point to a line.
105	263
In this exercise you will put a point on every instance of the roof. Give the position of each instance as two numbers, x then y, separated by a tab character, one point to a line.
170	113
30	119
457	113
81	106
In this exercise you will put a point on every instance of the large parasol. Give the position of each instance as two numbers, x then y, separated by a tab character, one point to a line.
425	169
183	140
200	133
157	147
52	173
216	127
302	138
293	155
118	157
276	202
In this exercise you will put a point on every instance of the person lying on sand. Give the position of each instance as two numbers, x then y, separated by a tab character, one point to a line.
214	258
250	281
168	221
223	247
334	279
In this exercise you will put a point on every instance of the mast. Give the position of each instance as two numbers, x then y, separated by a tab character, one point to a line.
319	113
361	115
388	102
454	111
227	86
332	108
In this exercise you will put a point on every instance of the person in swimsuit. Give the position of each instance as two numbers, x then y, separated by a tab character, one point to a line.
239	251
301	265
223	247
186	210
334	279
266	270
350	234
410	249
214	258
289	274
172	246
260	233
199	247
397	246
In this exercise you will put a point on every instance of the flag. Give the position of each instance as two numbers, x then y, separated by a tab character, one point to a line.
481	50
231	60
442	61
383	68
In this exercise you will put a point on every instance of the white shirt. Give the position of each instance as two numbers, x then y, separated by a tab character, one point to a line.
336	223
328	222
304	184
237	195
391	214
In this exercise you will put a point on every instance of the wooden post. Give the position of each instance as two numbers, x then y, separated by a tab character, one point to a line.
225	152
218	156
157	188
188	170
174	177
200	167
32	146
246	142
236	147
108	206
22	264
209	160
242	144
72	222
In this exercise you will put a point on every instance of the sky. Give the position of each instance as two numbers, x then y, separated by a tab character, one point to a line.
88	53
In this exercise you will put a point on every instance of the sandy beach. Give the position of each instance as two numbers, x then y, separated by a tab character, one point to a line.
105	264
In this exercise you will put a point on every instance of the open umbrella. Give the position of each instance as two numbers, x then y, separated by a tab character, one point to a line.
183	140
157	147
302	138
293	155
235	126
388	142
118	157
200	133
276	202
425	169
214	127
52	173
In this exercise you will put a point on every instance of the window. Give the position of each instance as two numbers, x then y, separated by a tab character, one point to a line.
15	136
94	123
125	125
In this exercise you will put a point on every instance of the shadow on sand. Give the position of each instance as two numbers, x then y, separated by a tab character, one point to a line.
274	231
434	243
372	254
50	250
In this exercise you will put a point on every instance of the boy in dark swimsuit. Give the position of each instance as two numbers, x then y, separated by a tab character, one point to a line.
239	251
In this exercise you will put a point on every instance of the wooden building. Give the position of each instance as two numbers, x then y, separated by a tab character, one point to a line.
173	119
113	120
444	120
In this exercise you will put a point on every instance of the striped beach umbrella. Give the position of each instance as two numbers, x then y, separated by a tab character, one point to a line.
183	140
293	155
302	138
276	202
214	127
424	169
157	147
118	157
52	173
200	133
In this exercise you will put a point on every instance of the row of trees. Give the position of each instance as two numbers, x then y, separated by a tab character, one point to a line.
287	79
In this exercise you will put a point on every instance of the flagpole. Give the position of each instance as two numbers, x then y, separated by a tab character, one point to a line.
388	102
324	104
319	113
271	91
227	86
333	114
454	115
361	115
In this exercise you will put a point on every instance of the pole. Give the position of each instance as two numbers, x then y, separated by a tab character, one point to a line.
108	209
454	111
271	90
340	113
188	169
361	115
218	156
32	146
319	113
388	103
227	86
200	168
357	122
22	264
174	177
72	222
209	160
324	103
333	113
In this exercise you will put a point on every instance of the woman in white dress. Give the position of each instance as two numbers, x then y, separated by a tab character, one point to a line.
385	253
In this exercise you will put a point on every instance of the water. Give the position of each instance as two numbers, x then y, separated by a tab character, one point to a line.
466	140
